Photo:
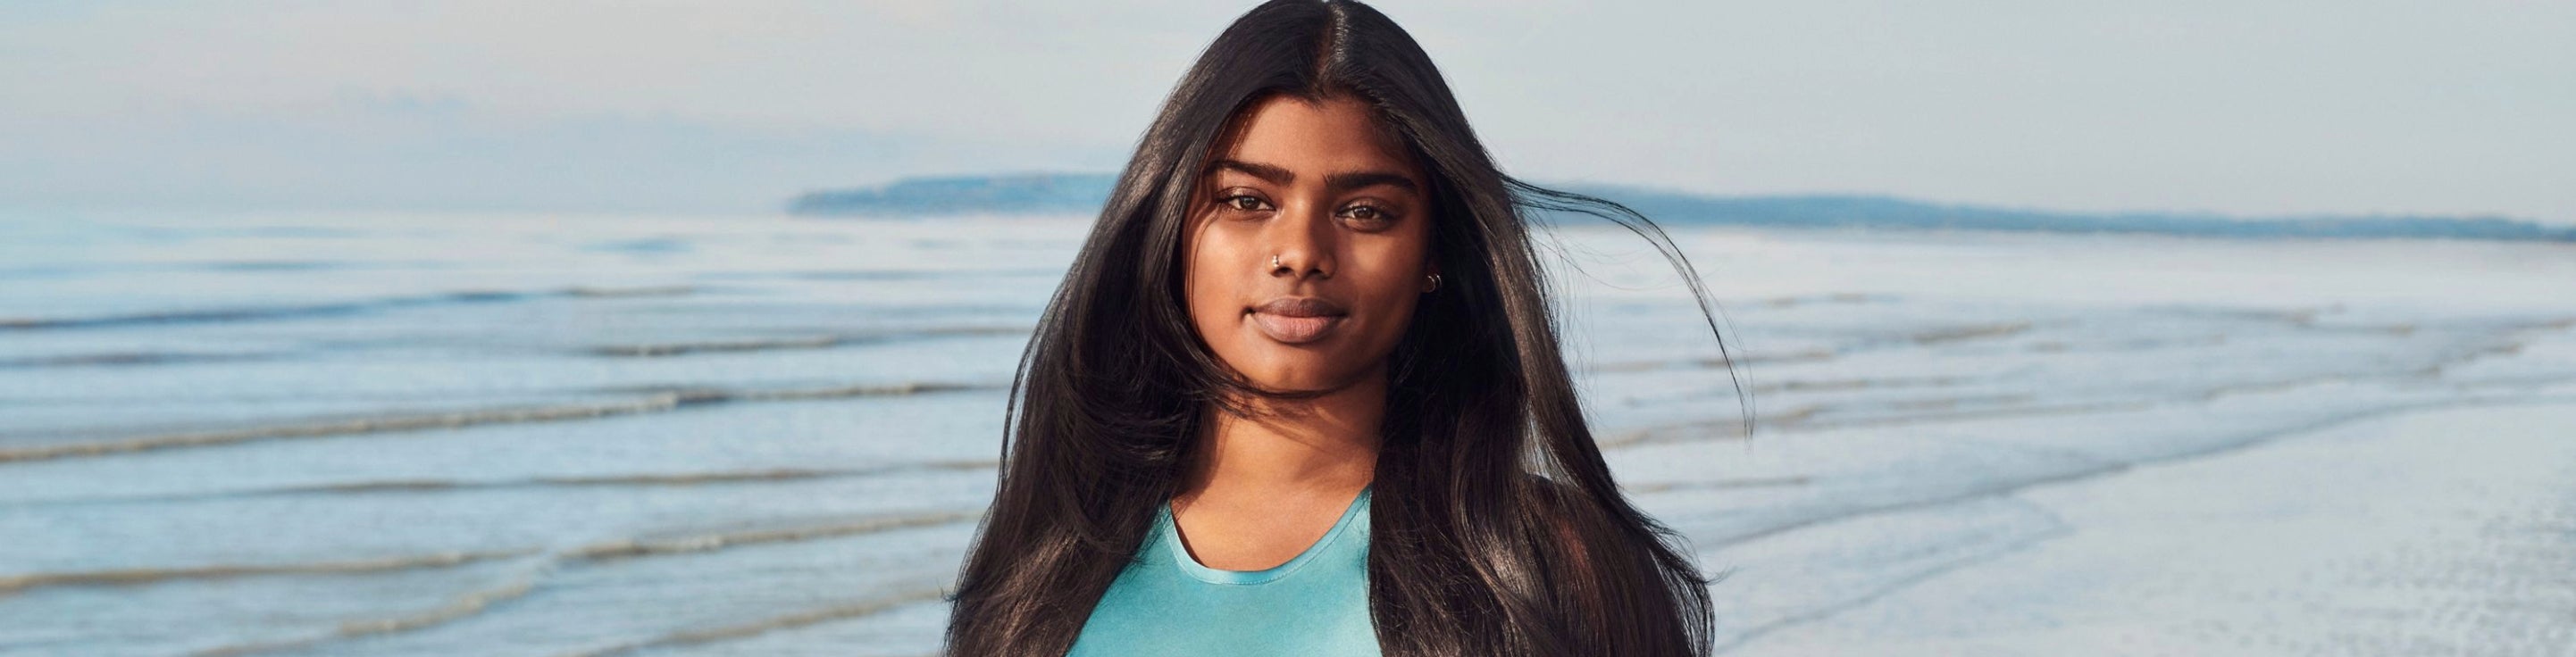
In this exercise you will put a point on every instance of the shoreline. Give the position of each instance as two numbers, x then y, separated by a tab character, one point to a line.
2432	530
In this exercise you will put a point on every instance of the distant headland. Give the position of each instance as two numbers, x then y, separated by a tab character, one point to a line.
1083	194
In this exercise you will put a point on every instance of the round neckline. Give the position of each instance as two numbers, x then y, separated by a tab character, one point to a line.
1190	565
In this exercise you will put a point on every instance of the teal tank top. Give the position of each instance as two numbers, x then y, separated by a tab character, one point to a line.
1166	603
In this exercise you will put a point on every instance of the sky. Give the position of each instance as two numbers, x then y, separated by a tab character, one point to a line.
2234	106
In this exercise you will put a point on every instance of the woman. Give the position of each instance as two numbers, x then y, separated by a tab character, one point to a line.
1300	393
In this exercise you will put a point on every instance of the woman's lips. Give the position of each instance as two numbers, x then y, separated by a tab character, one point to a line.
1295	330
1297	320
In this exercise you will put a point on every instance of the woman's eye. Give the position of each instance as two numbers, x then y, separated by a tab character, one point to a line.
1244	203
1367	214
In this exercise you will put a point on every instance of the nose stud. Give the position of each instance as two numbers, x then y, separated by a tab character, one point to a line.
1274	260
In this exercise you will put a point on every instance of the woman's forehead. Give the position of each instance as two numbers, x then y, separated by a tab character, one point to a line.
1315	138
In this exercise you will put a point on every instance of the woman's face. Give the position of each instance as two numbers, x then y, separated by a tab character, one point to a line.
1342	209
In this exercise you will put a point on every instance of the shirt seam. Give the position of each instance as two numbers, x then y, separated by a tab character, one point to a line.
1199	572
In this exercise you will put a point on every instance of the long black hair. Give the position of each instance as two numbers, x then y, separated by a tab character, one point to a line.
1496	528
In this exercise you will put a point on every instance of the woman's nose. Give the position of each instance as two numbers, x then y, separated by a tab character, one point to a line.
1302	239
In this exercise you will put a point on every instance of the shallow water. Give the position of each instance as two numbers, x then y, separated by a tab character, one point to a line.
372	434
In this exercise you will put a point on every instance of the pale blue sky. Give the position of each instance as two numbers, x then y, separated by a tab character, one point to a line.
2461	106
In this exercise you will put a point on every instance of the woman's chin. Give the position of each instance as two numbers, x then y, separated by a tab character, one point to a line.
1299	377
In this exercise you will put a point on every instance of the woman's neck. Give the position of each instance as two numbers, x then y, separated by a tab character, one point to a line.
1325	445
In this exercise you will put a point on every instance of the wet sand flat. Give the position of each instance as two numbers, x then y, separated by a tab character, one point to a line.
2448	531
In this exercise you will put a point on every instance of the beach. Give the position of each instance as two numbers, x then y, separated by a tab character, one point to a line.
2417	532
547	434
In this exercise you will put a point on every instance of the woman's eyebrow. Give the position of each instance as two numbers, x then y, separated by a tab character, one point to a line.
1343	182
1339	182
1276	175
